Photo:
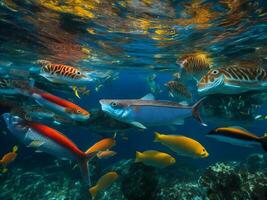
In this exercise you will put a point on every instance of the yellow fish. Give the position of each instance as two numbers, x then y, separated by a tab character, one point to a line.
154	158
103	183
182	145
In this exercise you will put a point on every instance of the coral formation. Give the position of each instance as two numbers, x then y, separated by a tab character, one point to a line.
220	181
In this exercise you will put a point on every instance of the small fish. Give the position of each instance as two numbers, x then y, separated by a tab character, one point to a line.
154	158
64	74
152	84
238	136
103	183
58	105
12	87
195	64
178	90
182	145
146	111
8	158
233	80
49	140
106	154
102	145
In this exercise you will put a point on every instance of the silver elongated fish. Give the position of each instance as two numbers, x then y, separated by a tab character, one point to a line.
233	80
147	112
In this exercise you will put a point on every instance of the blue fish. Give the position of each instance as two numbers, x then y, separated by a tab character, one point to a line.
147	111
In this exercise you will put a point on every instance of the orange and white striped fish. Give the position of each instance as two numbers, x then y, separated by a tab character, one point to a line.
233	80
195	64
64	74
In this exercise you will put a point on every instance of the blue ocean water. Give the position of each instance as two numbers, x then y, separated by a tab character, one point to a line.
134	47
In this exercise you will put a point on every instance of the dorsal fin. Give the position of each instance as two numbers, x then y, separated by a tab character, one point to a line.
184	103
148	97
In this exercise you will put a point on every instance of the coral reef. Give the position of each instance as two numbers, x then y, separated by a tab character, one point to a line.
233	180
220	181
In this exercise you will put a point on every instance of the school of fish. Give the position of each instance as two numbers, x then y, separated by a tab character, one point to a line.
26	106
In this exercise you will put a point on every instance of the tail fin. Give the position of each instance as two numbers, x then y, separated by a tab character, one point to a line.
138	156
157	136
264	142
195	111
93	191
85	171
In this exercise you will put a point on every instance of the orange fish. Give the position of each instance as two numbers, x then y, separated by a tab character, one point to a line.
8	158
59	105
102	145
195	64
65	74
106	154
103	183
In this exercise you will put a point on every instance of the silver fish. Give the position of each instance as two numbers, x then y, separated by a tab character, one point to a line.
147	112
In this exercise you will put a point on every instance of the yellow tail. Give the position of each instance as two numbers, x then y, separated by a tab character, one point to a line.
138	156
93	191
157	137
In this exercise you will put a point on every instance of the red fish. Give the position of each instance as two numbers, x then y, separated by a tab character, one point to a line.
59	105
48	140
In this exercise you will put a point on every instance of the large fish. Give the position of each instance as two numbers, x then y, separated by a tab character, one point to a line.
48	140
238	136
149	112
232	80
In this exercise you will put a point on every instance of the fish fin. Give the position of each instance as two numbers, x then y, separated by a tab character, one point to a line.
148	97
76	92
184	103
139	125
179	122
85	171
138	156
115	135
195	111
98	155
157	137
36	144
31	83
75	166
93	191
15	149
263	141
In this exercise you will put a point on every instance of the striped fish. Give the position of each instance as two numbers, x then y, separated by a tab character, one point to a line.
64	74
12	87
233	80
178	90
195	64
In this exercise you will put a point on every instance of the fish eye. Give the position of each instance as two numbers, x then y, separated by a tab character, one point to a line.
78	73
78	111
203	150
215	72
114	104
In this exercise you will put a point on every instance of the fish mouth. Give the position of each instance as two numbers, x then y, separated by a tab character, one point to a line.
206	88
204	155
